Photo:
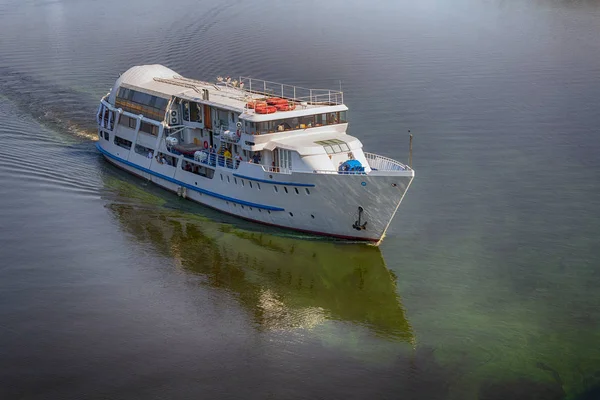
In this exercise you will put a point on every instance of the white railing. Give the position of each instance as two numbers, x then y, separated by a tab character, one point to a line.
381	163
293	93
277	170
213	160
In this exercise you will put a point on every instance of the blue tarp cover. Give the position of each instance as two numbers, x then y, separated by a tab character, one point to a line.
352	165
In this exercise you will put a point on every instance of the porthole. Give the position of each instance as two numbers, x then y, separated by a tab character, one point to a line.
228	179
242	183
235	180
221	176
258	186
307	191
250	208
291	215
250	183
285	188
259	210
269	211
312	216
296	189
275	188
242	206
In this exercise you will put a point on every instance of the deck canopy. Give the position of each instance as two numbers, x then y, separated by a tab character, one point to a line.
314	144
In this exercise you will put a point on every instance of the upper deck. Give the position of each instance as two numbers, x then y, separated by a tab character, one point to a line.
238	94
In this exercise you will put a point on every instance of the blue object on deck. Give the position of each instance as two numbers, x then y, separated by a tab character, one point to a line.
351	166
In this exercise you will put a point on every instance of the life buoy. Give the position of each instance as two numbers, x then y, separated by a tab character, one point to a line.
273	101
266	110
205	144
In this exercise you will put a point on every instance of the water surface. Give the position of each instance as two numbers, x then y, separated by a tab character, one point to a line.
484	288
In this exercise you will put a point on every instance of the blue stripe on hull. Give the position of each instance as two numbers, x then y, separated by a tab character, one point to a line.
273	182
188	186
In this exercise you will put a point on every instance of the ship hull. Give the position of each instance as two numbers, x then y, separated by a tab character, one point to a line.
352	207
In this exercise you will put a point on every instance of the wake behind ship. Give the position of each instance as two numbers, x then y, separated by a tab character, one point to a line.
263	151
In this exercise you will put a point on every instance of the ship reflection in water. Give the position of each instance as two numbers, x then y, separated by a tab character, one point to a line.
286	283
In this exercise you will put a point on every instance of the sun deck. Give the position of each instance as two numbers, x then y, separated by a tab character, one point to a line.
237	94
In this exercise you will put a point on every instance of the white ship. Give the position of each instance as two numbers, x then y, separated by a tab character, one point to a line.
263	151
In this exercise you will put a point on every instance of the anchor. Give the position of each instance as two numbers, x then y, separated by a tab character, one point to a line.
357	224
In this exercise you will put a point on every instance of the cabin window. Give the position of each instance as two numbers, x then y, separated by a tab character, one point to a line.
186	111
222	117
166	159
197	169
334	146
320	119
145	151
132	123
342	117
124	143
304	122
136	102
195	112
149	128
307	191
106	136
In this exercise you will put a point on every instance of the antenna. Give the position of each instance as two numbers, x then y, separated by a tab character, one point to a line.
340	85
410	150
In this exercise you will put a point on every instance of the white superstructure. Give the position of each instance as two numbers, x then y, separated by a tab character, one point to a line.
267	152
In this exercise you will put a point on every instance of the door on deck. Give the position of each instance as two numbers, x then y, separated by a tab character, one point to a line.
207	119
283	159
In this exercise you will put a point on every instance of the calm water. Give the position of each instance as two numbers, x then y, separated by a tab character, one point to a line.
485	288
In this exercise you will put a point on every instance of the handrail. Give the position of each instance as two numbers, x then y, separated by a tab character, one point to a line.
293	93
214	160
277	170
382	163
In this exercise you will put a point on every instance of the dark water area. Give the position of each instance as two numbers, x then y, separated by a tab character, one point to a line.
486	286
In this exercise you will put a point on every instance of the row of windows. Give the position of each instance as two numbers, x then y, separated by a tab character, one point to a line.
144	126
145	151
334	146
124	143
142	98
192	112
268	211
194	168
286	190
152	107
307	121
166	159
197	169
275	188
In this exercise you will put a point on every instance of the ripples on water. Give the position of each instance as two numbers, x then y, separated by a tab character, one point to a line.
486	286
